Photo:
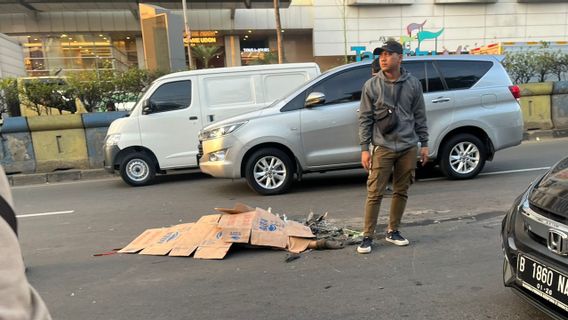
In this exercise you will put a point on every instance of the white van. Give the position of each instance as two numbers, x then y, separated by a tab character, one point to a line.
161	132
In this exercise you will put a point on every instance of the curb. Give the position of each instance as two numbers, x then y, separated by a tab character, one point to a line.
544	134
57	176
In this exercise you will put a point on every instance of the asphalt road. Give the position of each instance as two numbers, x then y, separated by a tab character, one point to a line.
452	270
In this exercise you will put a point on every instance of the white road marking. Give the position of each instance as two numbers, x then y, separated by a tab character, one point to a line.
494	173
513	171
44	214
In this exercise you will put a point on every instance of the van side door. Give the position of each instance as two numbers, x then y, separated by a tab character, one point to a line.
227	95
280	84
170	122
330	131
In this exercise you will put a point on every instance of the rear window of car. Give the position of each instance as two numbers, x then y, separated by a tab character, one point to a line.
427	74
463	74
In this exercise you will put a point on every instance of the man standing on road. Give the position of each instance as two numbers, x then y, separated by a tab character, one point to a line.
395	149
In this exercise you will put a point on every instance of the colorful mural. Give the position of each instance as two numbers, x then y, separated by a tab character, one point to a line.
414	32
421	35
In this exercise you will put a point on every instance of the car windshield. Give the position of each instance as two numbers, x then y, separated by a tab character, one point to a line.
309	83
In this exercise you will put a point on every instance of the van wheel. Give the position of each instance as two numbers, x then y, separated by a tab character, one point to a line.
463	156
138	169
269	171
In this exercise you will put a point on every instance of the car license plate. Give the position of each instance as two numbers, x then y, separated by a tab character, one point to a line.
546	282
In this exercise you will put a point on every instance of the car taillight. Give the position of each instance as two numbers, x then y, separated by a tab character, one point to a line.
515	91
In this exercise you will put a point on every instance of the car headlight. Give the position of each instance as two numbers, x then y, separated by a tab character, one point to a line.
520	206
112	139
220	131
217	155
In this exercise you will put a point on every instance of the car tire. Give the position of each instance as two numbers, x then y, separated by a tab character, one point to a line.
463	156
138	169
269	171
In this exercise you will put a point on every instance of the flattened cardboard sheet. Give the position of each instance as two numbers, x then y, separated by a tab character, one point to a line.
268	230
298	245
296	229
238	208
189	241
147	237
168	240
237	227
213	247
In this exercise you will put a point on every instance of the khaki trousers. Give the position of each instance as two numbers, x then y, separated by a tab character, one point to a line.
402	165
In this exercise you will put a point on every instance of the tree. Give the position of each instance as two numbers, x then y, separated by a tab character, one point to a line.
93	88
45	94
205	53
560	65
9	97
343	9
544	62
278	31
521	65
128	85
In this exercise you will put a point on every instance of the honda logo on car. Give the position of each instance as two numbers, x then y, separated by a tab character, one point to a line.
557	242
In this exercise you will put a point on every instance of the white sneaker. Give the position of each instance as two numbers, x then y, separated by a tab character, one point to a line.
365	246
396	238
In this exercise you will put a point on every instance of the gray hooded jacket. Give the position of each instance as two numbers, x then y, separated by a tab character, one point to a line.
18	299
411	111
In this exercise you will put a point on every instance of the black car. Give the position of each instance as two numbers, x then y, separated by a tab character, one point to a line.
535	243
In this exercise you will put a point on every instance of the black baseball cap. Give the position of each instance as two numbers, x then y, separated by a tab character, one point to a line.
389	46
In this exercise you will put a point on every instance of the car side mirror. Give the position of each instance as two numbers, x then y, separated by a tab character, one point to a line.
314	99
148	107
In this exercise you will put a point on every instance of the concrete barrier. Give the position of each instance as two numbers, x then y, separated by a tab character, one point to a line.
536	112
59	142
560	111
536	89
16	150
96	126
560	87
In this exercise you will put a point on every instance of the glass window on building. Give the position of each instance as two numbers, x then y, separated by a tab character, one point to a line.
208	49
255	51
49	55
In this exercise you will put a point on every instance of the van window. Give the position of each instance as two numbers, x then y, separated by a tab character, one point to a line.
417	69
172	96
344	87
235	90
434	82
463	74
279	85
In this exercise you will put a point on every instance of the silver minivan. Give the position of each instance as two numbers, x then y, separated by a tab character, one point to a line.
472	112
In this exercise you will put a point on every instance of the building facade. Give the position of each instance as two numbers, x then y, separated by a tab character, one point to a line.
11	58
66	36
452	25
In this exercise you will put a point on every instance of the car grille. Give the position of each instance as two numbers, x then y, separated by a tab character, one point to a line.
537	238
549	215
200	149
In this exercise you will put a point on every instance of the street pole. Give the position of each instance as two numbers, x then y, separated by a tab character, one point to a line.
278	31
187	32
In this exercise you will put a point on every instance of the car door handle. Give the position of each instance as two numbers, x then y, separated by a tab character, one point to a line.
440	100
193	118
